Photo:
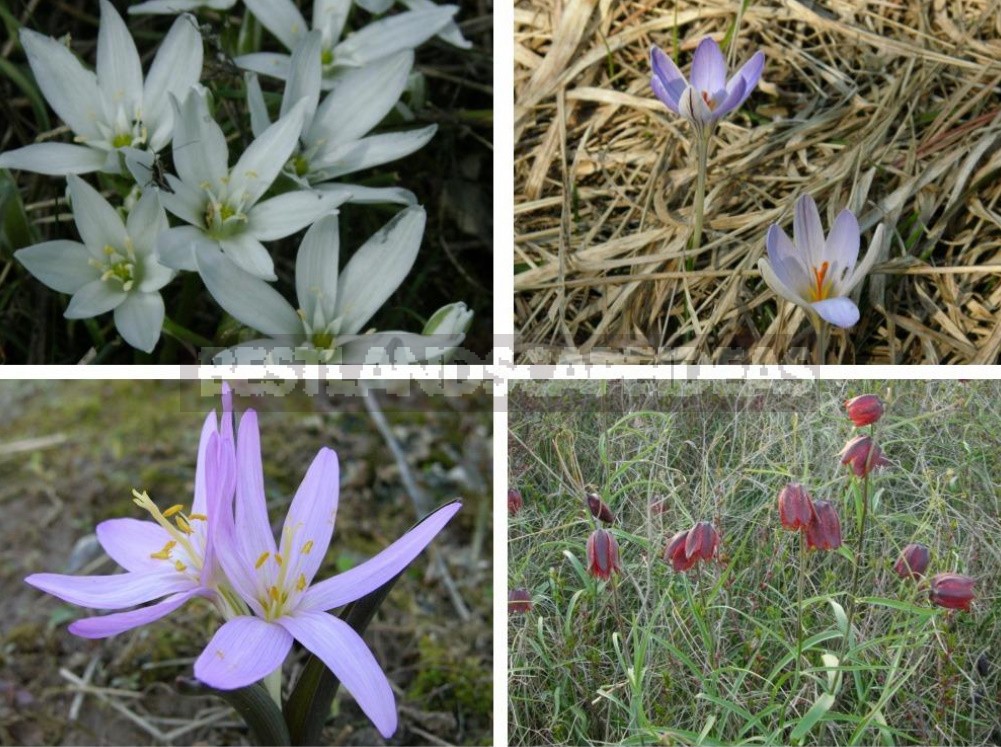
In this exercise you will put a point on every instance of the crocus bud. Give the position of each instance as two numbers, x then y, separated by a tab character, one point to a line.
865	409
952	590
857	455
602	554
703	539
519	600
795	507
514	501
674	553
824	530
599	509
913	561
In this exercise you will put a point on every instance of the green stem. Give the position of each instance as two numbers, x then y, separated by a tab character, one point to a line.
799	606
702	156
859	552
821	327
705	612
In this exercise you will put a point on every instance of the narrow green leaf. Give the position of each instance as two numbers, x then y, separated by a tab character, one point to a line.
812	717
254	704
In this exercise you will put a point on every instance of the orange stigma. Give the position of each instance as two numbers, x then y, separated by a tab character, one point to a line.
822	287
709	102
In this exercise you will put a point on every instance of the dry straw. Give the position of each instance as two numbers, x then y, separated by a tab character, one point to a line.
889	109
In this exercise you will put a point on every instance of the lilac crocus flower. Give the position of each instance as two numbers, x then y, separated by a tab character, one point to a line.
172	556
276	582
815	273
709	96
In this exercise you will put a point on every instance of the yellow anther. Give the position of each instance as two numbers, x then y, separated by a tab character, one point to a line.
273	593
163	554
183	525
260	560
278	559
301	583
307	547
197	517
175	509
180	566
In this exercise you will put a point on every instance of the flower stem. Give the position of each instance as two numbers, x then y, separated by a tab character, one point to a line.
859	552
702	156
821	328
799	606
705	613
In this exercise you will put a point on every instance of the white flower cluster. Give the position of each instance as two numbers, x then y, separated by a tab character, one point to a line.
337	88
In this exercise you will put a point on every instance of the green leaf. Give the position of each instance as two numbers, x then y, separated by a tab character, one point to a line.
254	704
812	717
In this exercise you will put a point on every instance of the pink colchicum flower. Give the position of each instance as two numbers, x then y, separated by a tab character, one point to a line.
709	96
173	555
276	583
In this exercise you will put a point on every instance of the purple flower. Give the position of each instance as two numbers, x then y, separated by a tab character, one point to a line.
710	95
173	556
275	580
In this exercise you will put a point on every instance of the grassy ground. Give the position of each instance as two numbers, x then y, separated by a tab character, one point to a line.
451	176
709	657
889	108
70	456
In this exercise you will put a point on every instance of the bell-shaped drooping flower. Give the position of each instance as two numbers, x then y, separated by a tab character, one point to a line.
795	507
913	561
863	455
514	501
519	601
276	582
112	109
115	268
702	541
173	556
815	273
334	305
709	96
952	590
602	555
674	553
824	530
335	140
599	509
223	207
376	40
865	409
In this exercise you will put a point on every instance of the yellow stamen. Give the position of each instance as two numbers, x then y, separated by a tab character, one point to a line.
278	560
822	288
180	566
273	593
260	560
163	554
307	547
183	525
199	517
301	583
173	510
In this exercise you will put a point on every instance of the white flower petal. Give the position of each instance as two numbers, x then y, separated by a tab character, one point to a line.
285	214
170	7
54	159
94	299
247	298
200	152
843	244
304	82
376	270
390	35
359	195
266	63
778	287
146	221
175	69
450	33
840	311
139	319
265	156
376	7
786	260
119	72
62	265
807	232
329	17
176	247
249	254
360	99
317	269
872	255
71	91
186	202
99	224
371	151
281	18
397	348
259	119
